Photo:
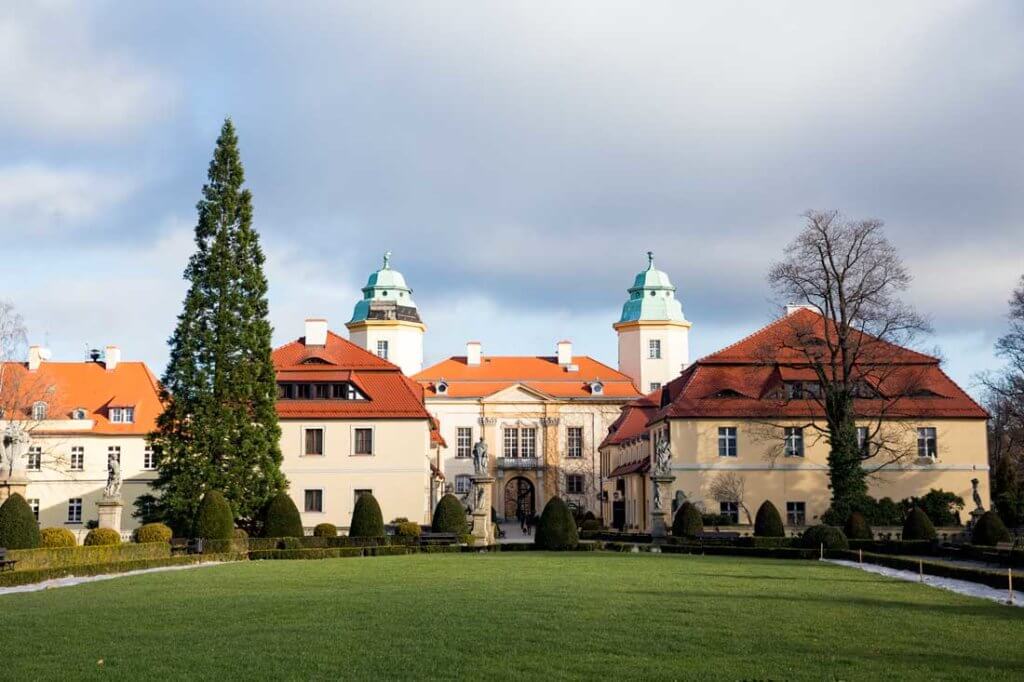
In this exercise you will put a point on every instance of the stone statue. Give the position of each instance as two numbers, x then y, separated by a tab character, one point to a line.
662	458
12	452
479	497
657	494
977	495
113	488
480	457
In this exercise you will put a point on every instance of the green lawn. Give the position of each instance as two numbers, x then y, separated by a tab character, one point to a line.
520	615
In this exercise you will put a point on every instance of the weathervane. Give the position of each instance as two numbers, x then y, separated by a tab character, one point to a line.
650	260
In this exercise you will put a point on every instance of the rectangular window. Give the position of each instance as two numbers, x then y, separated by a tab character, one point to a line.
364	442
727	441
315	500
574	484
462	484
382	349
654	386
35	458
511	442
730	509
77	458
575	444
148	459
863	445
654	349
114	450
927	445
128	415
75	510
463	441
33	504
528	442
314	442
360	491
796	513
794	441
322	391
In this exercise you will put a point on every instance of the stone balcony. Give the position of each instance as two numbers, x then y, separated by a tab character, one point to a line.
518	463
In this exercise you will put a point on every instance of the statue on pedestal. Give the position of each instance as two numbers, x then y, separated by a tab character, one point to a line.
662	458
977	495
480	457
113	489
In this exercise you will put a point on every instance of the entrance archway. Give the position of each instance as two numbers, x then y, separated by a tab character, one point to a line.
519	495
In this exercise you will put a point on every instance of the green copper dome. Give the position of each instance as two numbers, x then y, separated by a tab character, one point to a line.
652	297
386	296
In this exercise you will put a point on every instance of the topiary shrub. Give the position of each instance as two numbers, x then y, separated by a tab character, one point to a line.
408	529
214	519
917	526
18	526
367	521
102	536
56	537
768	523
449	516
240	534
687	522
325	530
830	536
857	527
990	530
153	532
591	525
557	528
281	518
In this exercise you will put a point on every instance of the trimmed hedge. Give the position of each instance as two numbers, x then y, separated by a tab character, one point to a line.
917	526
449	516
590	525
557	528
18	526
909	547
367	521
857	527
408	530
990	530
281	518
325	530
56	537
214	518
101	536
830	536
153	532
63	557
768	522
316	553
14	578
687	522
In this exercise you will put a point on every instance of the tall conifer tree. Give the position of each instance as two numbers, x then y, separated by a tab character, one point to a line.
219	430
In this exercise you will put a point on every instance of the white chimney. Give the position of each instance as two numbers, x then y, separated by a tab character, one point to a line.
473	353
564	353
316	331
111	357
36	355
796	307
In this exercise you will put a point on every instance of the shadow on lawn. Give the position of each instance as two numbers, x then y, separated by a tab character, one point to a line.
783	578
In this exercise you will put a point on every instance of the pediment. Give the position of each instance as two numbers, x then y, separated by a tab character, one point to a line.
517	393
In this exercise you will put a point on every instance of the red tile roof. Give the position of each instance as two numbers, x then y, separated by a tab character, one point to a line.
641	466
389	393
632	423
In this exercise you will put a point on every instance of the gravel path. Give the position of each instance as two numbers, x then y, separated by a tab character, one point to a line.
959	586
71	581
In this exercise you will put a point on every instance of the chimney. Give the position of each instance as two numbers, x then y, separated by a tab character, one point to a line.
796	307
564	353
316	331
36	355
111	357
473	353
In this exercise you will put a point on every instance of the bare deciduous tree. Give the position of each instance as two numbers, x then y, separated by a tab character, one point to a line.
729	486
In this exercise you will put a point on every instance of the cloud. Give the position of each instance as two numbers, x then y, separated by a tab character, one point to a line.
40	201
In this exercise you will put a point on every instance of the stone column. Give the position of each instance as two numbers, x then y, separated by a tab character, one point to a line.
660	485
483	496
110	513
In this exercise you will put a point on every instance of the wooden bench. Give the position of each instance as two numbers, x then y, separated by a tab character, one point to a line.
438	539
181	546
5	563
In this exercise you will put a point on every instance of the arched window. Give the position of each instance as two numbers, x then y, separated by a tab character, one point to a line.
78	413
39	410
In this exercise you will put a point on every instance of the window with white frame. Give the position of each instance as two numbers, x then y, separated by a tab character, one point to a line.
33	504
528	442
77	458
78	413
314	500
35	458
39	410
574	484
463	483
314	442
654	386
574	446
75	510
654	349
794	441
363	442
927	444
731	510
510	442
148	459
114	450
796	513
382	349
122	415
464	441
727	441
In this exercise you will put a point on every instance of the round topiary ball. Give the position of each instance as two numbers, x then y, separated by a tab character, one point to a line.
57	537
153	532
590	525
367	521
687	522
18	526
990	530
214	519
830	536
325	530
240	534
102	536
917	526
281	518
557	529
449	516
857	527
768	523
410	530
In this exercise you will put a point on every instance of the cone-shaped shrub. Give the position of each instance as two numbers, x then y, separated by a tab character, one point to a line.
18	526
917	526
153	532
768	523
214	520
990	530
56	537
367	521
325	530
857	527
102	536
557	529
830	536
687	522
281	518
449	516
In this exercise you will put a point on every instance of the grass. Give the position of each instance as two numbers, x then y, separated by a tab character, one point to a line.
525	615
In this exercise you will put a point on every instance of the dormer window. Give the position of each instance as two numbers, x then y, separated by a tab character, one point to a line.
39	410
596	388
442	387
122	415
78	413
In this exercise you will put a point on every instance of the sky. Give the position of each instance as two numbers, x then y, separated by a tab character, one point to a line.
518	159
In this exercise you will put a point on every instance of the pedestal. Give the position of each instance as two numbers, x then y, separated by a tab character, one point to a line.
661	485
483	526
13	486
110	513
